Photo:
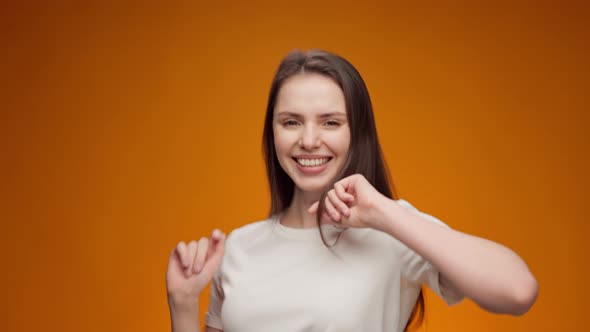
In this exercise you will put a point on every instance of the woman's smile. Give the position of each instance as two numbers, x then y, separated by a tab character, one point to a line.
312	166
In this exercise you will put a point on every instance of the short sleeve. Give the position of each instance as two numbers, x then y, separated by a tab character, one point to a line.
216	297
418	270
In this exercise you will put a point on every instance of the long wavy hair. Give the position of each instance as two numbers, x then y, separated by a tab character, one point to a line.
364	154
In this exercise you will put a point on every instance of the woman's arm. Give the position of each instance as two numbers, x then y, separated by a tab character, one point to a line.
185	317
190	268
488	273
492	275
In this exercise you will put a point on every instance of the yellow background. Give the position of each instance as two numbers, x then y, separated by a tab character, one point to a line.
127	127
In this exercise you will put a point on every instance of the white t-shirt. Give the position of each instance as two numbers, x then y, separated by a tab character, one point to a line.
275	278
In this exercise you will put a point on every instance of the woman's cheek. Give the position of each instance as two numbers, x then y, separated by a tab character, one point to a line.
338	141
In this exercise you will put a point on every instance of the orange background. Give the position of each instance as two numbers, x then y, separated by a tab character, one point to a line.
126	128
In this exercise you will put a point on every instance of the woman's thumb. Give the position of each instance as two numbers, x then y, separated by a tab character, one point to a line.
313	208
218	249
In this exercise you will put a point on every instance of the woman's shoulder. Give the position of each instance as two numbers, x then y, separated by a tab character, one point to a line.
405	204
412	208
250	232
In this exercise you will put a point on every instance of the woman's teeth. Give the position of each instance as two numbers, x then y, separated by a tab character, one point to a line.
312	162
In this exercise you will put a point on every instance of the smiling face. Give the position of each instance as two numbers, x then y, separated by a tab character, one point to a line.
311	132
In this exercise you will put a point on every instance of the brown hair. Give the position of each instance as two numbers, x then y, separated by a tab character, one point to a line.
364	154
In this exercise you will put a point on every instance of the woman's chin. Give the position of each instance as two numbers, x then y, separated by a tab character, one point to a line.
312	186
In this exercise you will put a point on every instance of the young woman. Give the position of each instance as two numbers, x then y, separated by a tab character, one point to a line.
338	252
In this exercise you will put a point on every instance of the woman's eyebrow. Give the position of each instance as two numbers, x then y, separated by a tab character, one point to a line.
321	116
331	114
286	113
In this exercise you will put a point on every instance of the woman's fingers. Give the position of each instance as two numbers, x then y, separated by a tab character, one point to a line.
202	249
192	258
214	240
331	210
341	191
182	252
191	251
338	203
334	207
313	208
216	235
215	254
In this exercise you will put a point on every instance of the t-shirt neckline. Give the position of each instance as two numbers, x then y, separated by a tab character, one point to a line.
329	230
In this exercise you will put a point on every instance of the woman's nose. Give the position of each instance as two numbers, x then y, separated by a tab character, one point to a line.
309	139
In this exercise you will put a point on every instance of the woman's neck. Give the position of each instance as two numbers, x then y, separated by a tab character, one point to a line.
296	215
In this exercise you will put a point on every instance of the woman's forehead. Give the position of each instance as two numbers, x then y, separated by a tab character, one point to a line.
310	94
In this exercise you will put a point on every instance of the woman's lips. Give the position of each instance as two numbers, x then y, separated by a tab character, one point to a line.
312	170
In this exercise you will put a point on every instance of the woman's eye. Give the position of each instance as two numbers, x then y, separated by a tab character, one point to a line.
332	123
290	123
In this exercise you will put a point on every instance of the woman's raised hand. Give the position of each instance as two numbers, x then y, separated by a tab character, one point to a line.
350	203
191	266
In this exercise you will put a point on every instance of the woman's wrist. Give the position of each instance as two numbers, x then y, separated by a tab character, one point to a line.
184	321
184	313
180	303
384	212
